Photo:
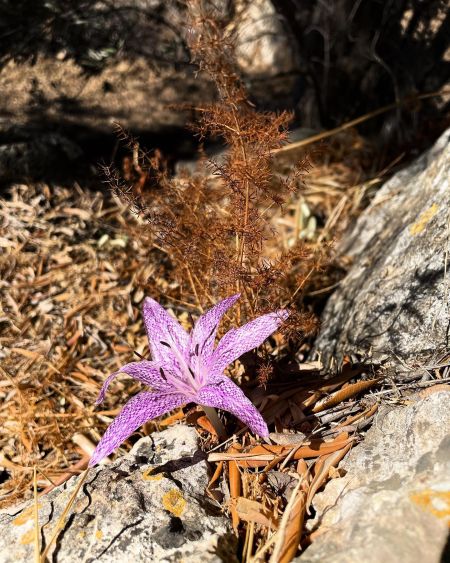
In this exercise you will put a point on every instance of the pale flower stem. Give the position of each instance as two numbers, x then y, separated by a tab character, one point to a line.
214	419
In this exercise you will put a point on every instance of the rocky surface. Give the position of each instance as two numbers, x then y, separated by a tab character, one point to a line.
393	504
263	47
33	158
127	62
148	506
129	91
393	304
265	55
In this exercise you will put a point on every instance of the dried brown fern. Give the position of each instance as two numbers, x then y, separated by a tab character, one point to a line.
213	226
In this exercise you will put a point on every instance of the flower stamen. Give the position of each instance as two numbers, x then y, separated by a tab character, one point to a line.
188	376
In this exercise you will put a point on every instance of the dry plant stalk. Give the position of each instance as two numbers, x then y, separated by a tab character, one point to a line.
214	227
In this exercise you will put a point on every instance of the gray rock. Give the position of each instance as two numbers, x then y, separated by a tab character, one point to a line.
125	513
263	47
125	62
124	90
265	55
393	304
393	504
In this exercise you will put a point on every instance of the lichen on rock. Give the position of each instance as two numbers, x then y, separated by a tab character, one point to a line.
149	505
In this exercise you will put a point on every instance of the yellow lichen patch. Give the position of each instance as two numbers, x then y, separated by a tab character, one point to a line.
99	535
26	515
174	502
435	502
28	537
147	475
424	218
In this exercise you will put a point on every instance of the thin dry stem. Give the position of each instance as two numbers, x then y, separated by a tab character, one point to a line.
60	523
214	419
37	547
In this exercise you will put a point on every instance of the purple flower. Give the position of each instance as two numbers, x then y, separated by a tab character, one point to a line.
187	368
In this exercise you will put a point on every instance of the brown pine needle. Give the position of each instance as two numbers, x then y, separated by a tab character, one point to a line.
344	394
281	534
235	488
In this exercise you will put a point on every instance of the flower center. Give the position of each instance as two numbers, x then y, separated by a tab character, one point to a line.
187	382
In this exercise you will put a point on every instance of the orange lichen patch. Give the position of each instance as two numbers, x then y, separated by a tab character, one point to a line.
174	502
28	537
25	516
435	502
99	535
148	475
424	218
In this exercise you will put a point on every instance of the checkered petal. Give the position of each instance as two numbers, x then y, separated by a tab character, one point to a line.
141	408
162	328
146	372
237	341
204	333
226	395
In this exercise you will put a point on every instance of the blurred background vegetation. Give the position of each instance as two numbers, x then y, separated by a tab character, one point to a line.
72	67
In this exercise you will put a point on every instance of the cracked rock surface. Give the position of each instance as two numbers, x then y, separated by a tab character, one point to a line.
393	304
149	505
393	504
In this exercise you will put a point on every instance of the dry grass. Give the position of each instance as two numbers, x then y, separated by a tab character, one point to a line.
71	284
